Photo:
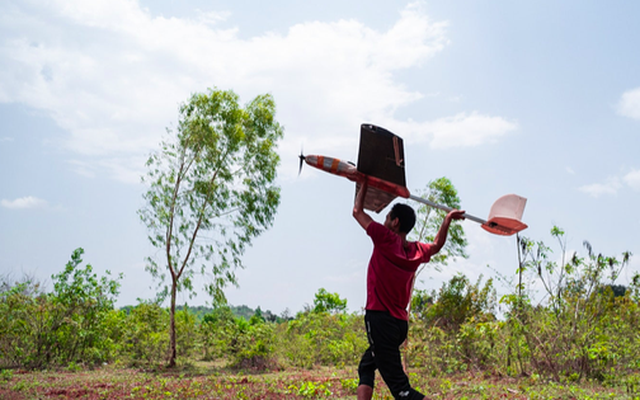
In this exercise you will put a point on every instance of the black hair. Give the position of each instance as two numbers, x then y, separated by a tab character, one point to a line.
405	215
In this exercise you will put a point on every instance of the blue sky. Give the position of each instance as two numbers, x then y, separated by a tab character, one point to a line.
541	99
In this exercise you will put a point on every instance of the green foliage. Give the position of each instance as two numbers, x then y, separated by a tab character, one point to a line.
457	302
480	343
187	333
325	302
321	339
587	331
211	191
252	344
69	325
243	311
454	329
80	303
145	335
429	219
432	350
216	176
215	329
19	322
245	344
5	375
311	390
350	385
584	331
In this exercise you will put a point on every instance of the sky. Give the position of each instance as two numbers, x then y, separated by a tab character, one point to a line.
540	99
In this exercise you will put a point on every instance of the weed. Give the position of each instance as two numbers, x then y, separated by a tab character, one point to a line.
311	390
6	375
350	385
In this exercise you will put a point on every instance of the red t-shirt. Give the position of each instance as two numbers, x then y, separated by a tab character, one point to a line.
391	270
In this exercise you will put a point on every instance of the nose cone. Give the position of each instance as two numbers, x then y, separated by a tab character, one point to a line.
332	165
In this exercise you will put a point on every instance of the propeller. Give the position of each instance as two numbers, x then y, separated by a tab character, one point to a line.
302	158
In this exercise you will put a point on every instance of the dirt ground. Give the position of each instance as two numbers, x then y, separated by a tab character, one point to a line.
320	383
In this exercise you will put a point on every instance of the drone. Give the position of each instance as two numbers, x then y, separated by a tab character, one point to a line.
381	164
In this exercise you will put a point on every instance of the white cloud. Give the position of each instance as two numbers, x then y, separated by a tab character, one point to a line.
6	139
212	17
610	187
613	184
468	130
82	168
128	170
629	104
24	203
461	130
112	75
632	179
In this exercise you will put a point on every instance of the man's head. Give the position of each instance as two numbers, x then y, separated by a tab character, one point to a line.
401	218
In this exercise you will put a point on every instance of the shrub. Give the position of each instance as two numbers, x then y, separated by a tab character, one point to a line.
252	345
59	328
145	336
322	339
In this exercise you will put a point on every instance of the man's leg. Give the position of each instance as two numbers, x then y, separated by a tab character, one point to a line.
386	335
366	372
365	392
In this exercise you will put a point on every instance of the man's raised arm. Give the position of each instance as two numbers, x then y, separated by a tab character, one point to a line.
358	208
441	236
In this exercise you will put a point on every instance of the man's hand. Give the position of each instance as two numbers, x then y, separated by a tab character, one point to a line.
456	214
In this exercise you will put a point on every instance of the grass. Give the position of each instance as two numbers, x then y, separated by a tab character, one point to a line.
210	381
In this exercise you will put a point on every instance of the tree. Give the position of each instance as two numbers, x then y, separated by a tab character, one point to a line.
210	192
429	219
328	302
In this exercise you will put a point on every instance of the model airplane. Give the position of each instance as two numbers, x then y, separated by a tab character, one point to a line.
381	163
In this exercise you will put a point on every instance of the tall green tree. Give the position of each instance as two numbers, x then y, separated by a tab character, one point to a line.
210	191
429	219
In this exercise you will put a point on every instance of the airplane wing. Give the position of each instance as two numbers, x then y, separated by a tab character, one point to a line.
376	200
381	155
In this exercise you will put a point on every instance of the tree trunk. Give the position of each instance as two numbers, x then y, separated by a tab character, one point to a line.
172	326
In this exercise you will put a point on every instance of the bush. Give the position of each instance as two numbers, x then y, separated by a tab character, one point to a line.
245	344
216	329
586	330
187	334
322	339
146	335
23	311
59	328
455	303
252	345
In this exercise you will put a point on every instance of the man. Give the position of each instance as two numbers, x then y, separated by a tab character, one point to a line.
389	283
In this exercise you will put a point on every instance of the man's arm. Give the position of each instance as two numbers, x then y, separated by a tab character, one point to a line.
441	236
358	208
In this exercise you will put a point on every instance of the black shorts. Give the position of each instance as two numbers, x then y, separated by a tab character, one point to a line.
386	334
